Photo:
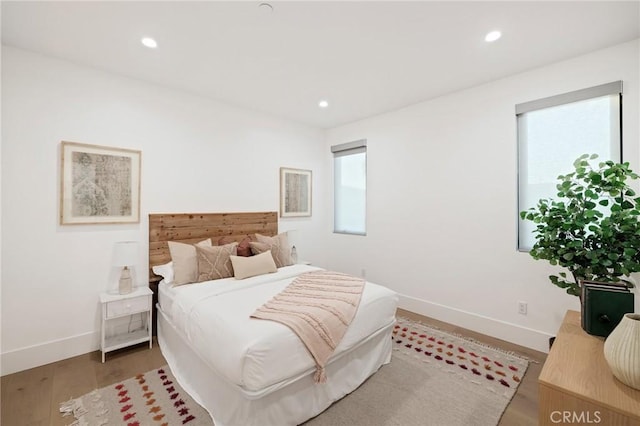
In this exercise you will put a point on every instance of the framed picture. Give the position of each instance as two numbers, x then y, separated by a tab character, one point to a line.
295	192
99	184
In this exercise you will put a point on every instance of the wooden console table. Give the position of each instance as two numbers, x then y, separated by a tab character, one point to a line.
576	385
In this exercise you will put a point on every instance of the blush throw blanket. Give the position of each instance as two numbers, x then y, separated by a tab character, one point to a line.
318	306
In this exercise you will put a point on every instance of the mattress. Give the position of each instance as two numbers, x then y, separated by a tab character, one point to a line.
259	356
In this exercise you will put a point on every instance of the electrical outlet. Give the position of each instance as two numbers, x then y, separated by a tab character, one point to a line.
522	308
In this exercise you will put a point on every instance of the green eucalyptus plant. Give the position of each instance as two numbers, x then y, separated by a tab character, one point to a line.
592	228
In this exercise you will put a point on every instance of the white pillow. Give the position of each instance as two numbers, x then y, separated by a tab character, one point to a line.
165	271
245	267
185	261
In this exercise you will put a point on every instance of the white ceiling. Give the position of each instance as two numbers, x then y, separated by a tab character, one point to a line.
366	58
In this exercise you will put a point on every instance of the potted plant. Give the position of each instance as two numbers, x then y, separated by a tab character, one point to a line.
592	228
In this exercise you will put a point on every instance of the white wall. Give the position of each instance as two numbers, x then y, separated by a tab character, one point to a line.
197	156
441	194
442	200
0	217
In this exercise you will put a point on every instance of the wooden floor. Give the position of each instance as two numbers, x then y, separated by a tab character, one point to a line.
31	397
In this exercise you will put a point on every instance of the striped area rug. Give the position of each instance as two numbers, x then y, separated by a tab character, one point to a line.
152	398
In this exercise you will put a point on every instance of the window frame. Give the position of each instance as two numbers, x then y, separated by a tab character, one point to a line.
342	150
608	89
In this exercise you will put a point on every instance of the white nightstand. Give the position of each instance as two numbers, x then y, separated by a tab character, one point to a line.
122	305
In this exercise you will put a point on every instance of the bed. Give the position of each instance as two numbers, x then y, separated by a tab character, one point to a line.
247	371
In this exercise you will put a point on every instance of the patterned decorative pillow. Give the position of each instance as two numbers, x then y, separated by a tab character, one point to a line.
185	262
214	262
279	246
243	246
245	267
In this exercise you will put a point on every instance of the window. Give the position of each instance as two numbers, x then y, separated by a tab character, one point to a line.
553	132
350	187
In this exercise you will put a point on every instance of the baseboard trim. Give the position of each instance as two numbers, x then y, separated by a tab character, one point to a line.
513	333
48	352
56	350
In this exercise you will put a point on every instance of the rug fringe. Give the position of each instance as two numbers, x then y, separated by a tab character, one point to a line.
75	407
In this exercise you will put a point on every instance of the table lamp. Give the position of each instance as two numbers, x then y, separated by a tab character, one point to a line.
292	236
125	255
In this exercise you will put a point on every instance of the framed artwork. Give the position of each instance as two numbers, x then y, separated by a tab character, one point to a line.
99	184
295	192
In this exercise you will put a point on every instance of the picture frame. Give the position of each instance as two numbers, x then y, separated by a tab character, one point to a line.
295	192
99	184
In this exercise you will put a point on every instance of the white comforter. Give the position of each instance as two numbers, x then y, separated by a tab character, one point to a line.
256	355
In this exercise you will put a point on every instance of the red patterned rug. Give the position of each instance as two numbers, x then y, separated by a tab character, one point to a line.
152	398
471	360
434	379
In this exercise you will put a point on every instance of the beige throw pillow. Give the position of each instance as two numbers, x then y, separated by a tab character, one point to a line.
185	262
279	246
214	262
245	267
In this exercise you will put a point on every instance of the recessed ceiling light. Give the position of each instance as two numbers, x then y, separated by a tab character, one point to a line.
323	104
149	42
492	36
266	7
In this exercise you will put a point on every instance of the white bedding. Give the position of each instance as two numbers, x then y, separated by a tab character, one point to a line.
255	355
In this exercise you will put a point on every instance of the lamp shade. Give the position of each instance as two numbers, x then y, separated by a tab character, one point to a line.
125	253
292	236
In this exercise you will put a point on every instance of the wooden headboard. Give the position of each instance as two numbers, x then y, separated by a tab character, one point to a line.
193	227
